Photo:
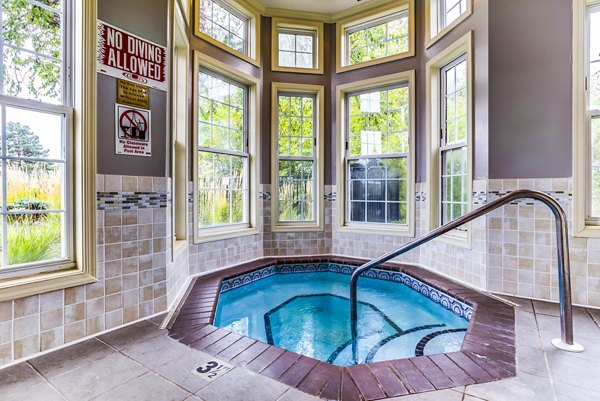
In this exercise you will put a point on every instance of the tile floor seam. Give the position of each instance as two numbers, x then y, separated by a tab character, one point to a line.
172	382
541	342
57	391
592	317
121	384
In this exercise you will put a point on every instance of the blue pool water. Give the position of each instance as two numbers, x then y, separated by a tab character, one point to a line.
308	313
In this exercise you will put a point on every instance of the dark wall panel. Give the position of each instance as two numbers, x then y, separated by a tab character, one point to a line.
530	88
147	19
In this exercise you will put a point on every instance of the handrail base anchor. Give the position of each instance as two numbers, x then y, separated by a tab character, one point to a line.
575	347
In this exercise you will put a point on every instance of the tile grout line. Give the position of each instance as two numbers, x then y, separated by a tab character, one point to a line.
47	381
537	326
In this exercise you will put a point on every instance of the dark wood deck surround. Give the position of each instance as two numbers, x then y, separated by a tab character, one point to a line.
487	353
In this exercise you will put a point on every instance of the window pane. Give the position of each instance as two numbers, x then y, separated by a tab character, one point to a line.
295	190
595	184
296	49
34	165
454	106
378	39
379	122
221	189
34	237
378	181
295	139
219	23
454	185
221	114
32	51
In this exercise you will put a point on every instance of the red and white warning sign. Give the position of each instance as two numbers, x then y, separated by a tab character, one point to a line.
132	131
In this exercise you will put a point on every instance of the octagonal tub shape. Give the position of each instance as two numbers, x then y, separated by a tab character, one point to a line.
305	308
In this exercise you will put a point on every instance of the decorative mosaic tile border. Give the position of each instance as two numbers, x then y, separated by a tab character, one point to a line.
455	306
559	196
132	200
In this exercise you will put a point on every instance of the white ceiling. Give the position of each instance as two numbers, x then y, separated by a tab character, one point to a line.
314	6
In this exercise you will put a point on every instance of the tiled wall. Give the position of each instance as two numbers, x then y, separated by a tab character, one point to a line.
216	254
296	243
522	246
133	250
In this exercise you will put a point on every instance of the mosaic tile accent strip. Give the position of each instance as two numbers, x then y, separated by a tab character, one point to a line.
455	306
560	196
479	197
420	196
264	195
132	200
330	196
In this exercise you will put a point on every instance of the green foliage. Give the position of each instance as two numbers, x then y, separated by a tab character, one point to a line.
22	142
33	27
30	241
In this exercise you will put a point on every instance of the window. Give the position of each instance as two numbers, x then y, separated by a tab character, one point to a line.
36	148
180	132
222	151
297	46
297	143
47	146
449	123
230	25
377	39
376	167
453	140
377	36
593	106
586	117
226	162
444	15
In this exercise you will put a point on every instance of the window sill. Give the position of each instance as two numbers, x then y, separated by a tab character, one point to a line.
296	70
179	247
284	228
461	239
587	231
449	28
370	63
225	234
40	283
214	42
376	229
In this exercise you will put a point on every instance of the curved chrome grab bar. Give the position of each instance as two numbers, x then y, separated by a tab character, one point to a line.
564	276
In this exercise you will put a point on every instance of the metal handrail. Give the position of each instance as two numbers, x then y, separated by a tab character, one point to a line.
566	315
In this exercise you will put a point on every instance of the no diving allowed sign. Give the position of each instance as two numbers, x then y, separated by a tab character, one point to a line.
132	131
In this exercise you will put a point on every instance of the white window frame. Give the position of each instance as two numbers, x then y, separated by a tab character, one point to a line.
252	225
80	120
317	224
464	45
242	9
435	29
405	230
180	130
583	225
367	18
298	27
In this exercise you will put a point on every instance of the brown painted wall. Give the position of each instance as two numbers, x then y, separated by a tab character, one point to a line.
147	19
530	88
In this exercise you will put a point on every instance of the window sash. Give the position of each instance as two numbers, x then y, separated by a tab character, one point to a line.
445	147
385	156
369	24
66	260
296	33
443	12
66	54
244	154
591	114
233	11
288	158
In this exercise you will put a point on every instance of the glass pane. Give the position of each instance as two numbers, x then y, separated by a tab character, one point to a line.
34	185
34	134
222	189
376	212
378	40
221	114
295	190
220	24
37	72
595	184
287	59
287	42
594	92
304	60
34	237
304	43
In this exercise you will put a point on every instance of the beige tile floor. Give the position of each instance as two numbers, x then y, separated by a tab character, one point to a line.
140	362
